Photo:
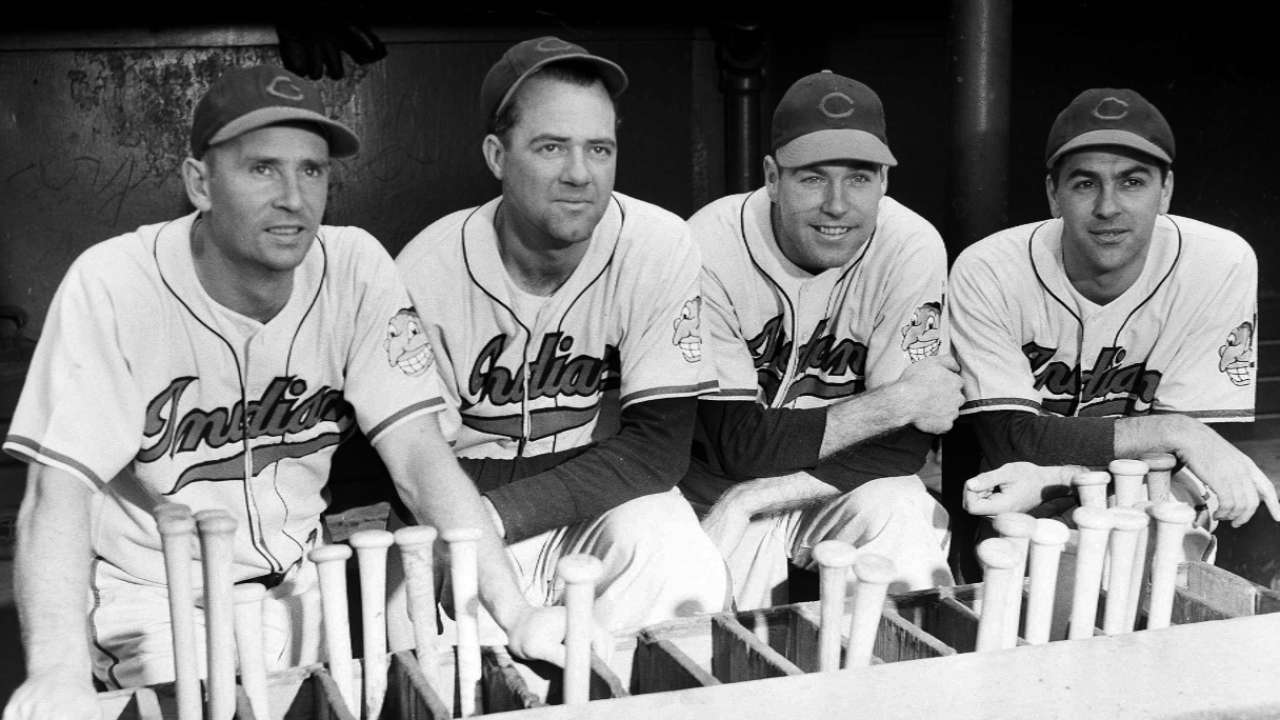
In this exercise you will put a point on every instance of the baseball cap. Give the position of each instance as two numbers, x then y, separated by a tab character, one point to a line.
249	98
825	116
525	58
1110	116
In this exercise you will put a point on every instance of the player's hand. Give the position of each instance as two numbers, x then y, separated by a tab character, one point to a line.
725	524
54	694
932	393
1015	487
1232	475
539	632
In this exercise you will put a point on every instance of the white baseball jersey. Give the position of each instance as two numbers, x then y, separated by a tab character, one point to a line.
149	391
786	338
527	376
1181	339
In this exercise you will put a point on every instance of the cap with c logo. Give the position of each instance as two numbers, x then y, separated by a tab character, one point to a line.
1110	116
526	58
825	117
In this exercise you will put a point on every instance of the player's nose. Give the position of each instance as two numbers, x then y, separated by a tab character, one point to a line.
575	171
1105	204
834	201
289	192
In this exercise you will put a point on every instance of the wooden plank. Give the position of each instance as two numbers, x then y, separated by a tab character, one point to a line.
409	694
1227	591
503	687
898	640
659	665
1096	677
738	655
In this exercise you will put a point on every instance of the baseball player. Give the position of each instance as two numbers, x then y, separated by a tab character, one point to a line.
217	360
821	301
1111	330
565	318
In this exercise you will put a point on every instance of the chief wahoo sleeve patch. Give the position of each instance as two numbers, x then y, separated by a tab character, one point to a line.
922	335
406	343
1235	358
686	336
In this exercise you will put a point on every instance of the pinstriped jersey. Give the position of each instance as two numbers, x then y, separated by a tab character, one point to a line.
529	376
148	390
786	338
1180	339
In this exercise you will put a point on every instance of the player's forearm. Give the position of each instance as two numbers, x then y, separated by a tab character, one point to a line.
863	417
764	496
51	573
437	492
649	454
1176	434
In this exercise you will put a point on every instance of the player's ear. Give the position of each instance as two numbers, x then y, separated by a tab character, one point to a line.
195	178
771	176
494	154
884	179
1049	187
1166	192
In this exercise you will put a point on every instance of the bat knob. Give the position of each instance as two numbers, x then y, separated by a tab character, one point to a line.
580	568
834	554
415	536
371	539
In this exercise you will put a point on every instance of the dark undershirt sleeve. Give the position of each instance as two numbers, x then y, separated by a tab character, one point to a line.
902	452
649	454
741	440
1009	435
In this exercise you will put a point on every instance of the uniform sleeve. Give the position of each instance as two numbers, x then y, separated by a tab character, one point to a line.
391	373
81	409
662	348
727	350
648	455
908	325
993	367
902	452
1007	436
1213	375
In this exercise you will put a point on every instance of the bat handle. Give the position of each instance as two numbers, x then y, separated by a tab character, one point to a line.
1095	527
874	573
1173	519
253	668
1130	481
834	558
998	557
1126	523
416	544
1047	542
466	607
371	555
580	573
331	569
1018	529
177	529
1160	476
1091	488
217	537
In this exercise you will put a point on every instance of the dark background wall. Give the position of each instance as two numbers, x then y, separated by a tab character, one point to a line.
94	120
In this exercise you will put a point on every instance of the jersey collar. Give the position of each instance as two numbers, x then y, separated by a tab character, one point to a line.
172	250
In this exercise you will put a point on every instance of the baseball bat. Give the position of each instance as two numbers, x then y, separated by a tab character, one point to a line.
371	557
1047	541
1126	522
1173	519
217	537
1130	479
1140	574
331	569
464	575
416	543
177	528
1017	528
1091	488
1095	527
834	557
1159	476
998	557
874	573
253	666
580	573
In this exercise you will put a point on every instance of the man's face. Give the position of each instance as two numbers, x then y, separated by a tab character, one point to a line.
558	162
826	212
265	196
1108	201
